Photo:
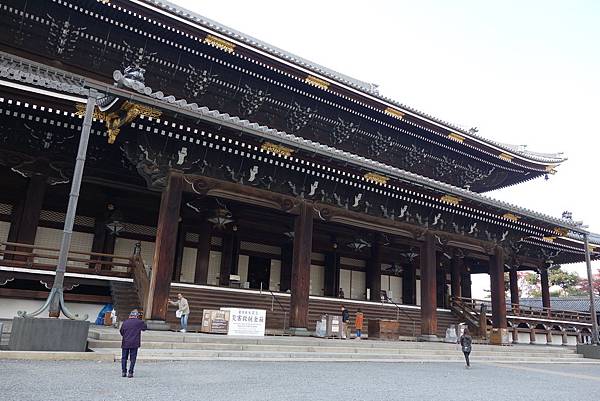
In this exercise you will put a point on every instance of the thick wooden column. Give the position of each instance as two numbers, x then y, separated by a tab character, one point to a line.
497	289
287	252
374	271
428	288
514	287
202	253
332	263
409	283
440	285
181	234
303	231
32	207
545	284
164	252
457	265
465	284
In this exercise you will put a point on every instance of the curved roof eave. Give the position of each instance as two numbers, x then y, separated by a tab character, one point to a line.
362	86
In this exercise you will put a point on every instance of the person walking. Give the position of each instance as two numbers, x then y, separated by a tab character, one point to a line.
345	323
465	342
131	331
358	323
183	311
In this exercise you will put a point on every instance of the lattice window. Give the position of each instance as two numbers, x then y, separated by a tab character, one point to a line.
6	209
52	237
59	217
216	241
192	237
317	257
139	229
262	248
352	262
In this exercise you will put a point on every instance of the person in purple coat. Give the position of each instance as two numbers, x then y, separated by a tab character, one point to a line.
131	330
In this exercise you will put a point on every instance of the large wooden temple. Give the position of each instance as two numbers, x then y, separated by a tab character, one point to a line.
242	175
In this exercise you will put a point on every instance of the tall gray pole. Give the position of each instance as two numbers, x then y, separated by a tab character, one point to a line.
55	299
591	290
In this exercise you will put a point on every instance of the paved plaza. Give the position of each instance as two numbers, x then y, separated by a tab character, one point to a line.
248	381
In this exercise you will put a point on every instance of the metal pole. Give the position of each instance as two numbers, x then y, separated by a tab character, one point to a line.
588	262
65	245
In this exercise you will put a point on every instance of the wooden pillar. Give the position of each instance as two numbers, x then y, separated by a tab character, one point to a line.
99	240
457	265
203	253
514	288
332	263
409	283
428	288
287	251
497	289
32	208
227	253
465	284
545	284
303	231
180	246
374	271
441	288
164	251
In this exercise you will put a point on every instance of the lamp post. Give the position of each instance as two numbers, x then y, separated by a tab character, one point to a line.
55	300
590	290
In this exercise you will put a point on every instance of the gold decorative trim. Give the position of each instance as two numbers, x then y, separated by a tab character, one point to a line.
276	149
394	113
511	217
453	200
550	168
455	137
378	178
561	231
318	82
549	239
114	120
505	156
219	43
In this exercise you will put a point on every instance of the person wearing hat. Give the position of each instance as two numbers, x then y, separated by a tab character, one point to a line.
131	331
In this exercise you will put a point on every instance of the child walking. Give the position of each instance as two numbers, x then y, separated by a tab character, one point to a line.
465	343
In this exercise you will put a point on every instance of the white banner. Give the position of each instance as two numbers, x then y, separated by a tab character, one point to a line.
246	322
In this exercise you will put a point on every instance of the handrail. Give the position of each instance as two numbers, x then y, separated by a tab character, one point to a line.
398	309
280	306
43	248
141	280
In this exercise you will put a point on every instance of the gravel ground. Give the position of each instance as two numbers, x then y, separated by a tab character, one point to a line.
290	381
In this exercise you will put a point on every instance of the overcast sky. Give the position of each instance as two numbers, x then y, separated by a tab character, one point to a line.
523	72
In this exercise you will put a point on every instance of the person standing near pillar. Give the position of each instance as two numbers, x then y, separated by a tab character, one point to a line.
183	311
345	323
358	323
131	331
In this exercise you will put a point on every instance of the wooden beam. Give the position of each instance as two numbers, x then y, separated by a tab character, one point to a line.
32	207
545	284
374	271
180	245
514	285
409	283
203	253
164	252
303	232
497	289
456	267
287	251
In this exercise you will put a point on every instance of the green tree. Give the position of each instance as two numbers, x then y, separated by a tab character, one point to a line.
568	282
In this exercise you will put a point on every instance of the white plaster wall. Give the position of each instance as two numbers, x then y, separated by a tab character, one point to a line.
345	281
214	266
125	246
572	340
52	238
317	280
556	339
188	265
418	293
358	285
540	338
275	275
396	288
385	282
4	228
524	337
10	306
243	261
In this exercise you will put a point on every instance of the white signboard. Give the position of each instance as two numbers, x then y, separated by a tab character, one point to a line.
246	322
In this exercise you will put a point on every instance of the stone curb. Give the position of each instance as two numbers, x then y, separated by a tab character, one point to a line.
56	356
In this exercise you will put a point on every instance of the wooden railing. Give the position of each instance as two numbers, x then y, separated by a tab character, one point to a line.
526	311
44	258
471	311
141	280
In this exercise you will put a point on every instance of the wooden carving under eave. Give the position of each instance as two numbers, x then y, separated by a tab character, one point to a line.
505	156
277	149
561	231
453	200
377	178
114	120
456	137
511	217
219	43
318	82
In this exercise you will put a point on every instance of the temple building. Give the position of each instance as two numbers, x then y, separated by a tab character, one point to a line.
240	174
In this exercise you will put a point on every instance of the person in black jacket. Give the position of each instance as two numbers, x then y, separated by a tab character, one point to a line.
345	323
131	330
465	342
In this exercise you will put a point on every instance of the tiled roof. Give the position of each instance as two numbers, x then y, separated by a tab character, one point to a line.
580	304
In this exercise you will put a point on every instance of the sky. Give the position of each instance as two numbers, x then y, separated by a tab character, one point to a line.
523	72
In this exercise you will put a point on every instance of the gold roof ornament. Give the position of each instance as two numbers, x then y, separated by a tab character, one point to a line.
549	239
511	217
453	200
219	43
377	178
561	231
277	149
505	156
394	113
456	137
318	82
114	120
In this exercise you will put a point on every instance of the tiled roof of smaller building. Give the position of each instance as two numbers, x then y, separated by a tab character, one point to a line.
580	304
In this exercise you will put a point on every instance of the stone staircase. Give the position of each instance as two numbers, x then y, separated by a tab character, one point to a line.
160	346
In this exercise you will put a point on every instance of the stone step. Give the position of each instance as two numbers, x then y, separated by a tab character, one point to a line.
95	344
151	355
